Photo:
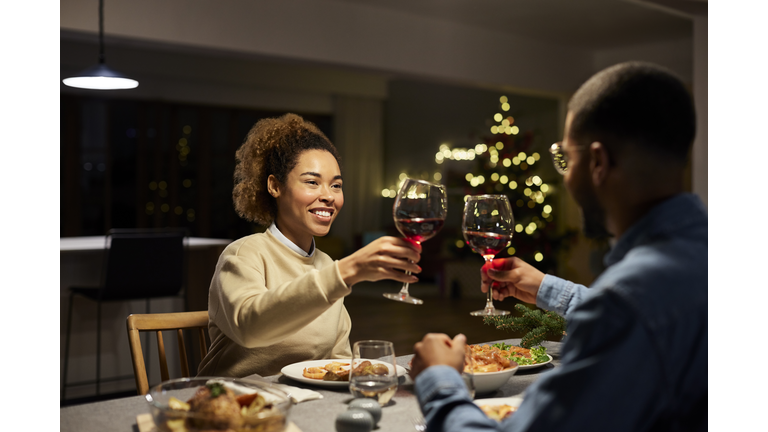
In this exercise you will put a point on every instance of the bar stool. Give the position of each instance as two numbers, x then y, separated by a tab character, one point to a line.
139	264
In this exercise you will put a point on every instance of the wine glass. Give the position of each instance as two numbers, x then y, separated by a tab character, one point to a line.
373	372
419	212
487	227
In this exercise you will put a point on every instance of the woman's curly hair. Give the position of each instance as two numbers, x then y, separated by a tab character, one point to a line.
272	147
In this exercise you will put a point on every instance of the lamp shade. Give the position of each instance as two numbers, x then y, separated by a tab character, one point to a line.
100	77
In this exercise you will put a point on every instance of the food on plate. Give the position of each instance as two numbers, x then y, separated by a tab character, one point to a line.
488	359
368	368
335	366
341	375
334	371
214	407
314	372
523	356
498	412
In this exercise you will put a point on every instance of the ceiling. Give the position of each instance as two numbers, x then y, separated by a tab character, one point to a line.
588	24
354	46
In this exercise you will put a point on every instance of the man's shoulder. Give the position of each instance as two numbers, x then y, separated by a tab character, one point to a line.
664	282
661	262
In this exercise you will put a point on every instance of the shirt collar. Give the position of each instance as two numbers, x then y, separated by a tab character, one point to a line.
667	217
291	245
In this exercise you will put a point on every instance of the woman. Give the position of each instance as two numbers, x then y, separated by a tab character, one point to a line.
275	299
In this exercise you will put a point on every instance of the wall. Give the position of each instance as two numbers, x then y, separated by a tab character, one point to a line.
700	85
676	55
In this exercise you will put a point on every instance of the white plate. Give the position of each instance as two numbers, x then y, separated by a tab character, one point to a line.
295	371
531	366
513	401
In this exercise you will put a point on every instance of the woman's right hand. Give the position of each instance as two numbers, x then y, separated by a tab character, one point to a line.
383	258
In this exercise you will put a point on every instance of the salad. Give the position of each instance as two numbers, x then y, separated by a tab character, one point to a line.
523	356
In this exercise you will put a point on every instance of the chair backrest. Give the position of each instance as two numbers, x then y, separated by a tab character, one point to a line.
144	263
159	322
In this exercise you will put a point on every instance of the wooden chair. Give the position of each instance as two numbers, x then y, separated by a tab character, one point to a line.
159	322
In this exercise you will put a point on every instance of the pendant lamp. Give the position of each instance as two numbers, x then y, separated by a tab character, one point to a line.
101	77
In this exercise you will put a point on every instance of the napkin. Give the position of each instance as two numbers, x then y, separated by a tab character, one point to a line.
296	394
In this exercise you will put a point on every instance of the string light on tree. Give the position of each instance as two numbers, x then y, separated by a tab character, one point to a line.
501	163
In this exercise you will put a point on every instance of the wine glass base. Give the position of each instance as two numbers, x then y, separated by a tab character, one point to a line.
405	298
489	312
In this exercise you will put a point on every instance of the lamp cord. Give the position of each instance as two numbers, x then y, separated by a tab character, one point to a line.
101	31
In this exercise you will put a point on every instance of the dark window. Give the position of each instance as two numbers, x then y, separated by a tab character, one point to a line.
136	164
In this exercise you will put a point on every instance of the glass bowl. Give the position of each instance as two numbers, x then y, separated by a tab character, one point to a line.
174	411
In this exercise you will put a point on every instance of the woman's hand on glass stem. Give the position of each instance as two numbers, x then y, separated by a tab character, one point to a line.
383	258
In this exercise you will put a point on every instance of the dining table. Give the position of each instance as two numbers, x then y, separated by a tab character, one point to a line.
400	414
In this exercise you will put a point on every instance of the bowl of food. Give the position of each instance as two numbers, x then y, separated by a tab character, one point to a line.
490	369
488	382
213	403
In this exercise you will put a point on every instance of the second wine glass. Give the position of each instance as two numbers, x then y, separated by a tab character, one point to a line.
487	227
419	212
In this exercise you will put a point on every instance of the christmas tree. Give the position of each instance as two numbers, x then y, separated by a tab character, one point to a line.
506	162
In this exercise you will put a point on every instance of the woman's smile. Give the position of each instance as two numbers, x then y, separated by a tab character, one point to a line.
324	214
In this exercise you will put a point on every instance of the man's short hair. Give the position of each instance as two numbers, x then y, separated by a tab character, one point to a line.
635	103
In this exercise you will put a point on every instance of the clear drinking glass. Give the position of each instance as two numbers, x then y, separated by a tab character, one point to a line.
419	212
373	372
487	226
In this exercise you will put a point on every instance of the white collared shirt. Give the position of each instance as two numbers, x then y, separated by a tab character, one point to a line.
284	240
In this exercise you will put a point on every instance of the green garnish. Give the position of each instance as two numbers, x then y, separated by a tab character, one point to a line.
217	389
538	355
502	346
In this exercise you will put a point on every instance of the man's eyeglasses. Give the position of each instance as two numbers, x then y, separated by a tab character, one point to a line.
559	157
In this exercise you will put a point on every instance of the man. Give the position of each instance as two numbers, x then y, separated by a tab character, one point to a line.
635	357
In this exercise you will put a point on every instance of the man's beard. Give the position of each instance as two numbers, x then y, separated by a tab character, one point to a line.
593	217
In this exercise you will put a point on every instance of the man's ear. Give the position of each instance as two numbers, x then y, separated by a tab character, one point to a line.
273	186
600	162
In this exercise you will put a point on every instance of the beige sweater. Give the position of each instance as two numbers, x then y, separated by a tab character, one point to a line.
269	307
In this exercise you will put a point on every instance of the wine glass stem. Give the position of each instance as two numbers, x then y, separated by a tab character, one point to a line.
404	289
489	299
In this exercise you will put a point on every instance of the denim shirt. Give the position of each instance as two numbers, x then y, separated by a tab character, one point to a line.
635	357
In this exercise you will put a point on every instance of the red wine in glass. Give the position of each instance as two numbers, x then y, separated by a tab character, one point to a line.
419	213
487	227
419	229
487	244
